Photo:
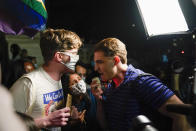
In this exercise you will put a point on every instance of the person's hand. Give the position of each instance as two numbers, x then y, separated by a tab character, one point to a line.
77	116
82	116
74	113
96	90
57	118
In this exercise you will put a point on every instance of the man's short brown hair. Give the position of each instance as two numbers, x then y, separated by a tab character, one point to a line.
112	47
53	40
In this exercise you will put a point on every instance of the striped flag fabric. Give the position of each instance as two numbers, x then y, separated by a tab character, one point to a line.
22	16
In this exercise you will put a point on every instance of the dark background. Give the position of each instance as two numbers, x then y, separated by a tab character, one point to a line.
94	20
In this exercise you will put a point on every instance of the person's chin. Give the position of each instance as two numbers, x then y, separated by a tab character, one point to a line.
103	78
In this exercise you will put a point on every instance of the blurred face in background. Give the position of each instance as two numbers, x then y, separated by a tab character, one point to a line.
81	71
28	67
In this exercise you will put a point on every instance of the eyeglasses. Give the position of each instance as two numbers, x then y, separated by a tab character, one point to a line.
73	51
71	55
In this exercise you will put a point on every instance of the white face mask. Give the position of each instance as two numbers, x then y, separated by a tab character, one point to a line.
73	60
79	88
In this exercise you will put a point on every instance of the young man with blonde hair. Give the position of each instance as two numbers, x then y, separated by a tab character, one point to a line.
131	92
39	93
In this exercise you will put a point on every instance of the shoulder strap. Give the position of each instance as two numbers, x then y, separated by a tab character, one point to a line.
138	77
143	74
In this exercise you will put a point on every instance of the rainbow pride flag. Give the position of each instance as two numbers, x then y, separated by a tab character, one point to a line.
22	16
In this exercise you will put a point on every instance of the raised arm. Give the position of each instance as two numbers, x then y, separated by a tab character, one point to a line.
179	121
97	92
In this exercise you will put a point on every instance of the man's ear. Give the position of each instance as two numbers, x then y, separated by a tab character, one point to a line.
116	59
58	57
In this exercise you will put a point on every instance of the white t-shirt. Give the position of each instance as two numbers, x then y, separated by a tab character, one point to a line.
37	94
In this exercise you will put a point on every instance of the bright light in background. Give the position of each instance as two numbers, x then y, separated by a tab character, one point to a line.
162	16
193	36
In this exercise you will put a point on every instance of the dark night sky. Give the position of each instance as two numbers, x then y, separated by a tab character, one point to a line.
97	19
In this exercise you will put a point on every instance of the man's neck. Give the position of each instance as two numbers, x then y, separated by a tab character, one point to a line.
120	75
53	71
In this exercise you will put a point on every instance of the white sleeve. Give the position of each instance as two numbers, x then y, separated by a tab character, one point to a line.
22	93
9	121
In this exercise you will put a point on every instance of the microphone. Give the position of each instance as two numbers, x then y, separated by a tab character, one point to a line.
185	109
